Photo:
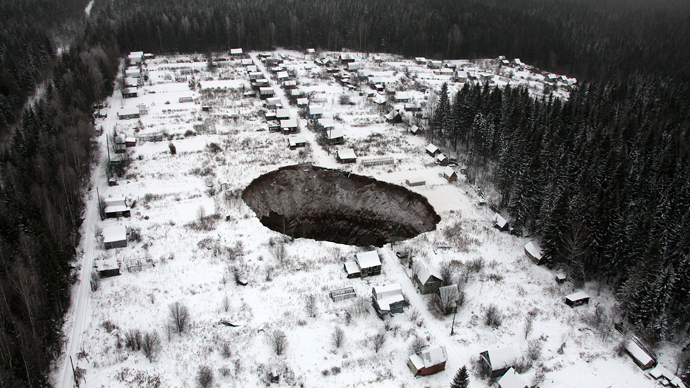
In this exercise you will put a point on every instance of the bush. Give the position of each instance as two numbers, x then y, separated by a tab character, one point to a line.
310	305
172	148
205	376
378	340
338	337
151	345
95	281
493	316
134	235
214	148
278	341
417	345
133	339
179	317
344	99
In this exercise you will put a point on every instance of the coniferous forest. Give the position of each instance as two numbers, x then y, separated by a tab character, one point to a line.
603	179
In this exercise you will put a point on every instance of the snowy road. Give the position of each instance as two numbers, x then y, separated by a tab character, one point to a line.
442	338
81	295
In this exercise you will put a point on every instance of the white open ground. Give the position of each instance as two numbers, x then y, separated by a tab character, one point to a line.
170	191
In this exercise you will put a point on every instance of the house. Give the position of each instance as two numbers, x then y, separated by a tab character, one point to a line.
561	278
296	93
377	59
282	114
401	97
435	64
420	60
116	207
446	71
129	92
446	298
282	76
107	267
394	117
236	51
266	92
380	99
302	101
290	84
273	61
325	124
387	299
114	237
346	58
429	361
335	136
533	252
500	223
512	380
461	76
412	108
247	62
133	72
415	130
311	51
426	277
343	294
432	150
119	144
254	75
450	174
296	141
346	155
442	160
128	113
415	181
130	141
351	269
368	263
499	360
315	112
288	126
274	103
577	299
640	356
353	66
131	82
665	377
185	99
136	57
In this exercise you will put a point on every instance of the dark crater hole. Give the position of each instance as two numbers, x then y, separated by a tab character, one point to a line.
331	205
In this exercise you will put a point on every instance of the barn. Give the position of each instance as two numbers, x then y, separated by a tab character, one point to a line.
429	361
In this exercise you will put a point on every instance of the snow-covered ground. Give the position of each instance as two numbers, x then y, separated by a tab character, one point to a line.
182	262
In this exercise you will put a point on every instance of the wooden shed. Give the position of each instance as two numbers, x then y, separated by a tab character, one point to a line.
351	269
429	361
533	252
417	180
499	360
432	150
107	267
450	174
446	298
639	354
296	141
577	299
335	136
346	155
116	207
114	237
500	223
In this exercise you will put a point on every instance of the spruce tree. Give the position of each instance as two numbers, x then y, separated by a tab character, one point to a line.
461	379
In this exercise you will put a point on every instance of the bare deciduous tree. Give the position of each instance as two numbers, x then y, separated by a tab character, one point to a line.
338	337
378	340
179	317
280	253
205	376
278	341
417	345
310	305
151	345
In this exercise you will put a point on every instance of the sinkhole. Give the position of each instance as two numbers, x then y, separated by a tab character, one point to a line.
332	205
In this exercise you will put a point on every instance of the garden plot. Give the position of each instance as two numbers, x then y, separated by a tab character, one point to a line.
198	243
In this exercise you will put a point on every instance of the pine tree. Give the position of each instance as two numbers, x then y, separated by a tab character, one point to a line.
461	379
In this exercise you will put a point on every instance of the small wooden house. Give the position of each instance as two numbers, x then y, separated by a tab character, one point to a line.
512	380
281	114
577	299
346	155
335	136
561	278
296	141
640	356
427	278
500	223
401	97
315	112
394	117
499	360
266	92
128	113
346	58
420	60
429	361
533	252
130	141
387	299
450	174
119	144
116	207
415	181
432	150
107	268
236	52
274	103
353	66
129	92
369	263
446	299
325	124
288	126
442	160
114	237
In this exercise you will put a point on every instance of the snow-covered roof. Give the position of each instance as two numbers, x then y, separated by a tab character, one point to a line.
637	352
577	296
449	293
416	180
387	295
105	264
426	271
296	93
448	171
511	380
431	148
282	113
302	101
347	153
236	51
414	129
247	62
326	123
499	221
296	139
677	382
315	110
289	123
266	90
417	361
659	371
434	356
380	99
128	111
533	250
353	66
311	51
282	75
441	157
335	133
114	233
402	95
502	357
365	259
351	267
131	81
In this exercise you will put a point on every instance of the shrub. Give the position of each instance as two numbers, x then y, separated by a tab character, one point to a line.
179	316
417	345
278	341
378	340
493	316
214	148
95	281
205	376
172	148
134	235
338	337
151	345
310	305
344	99
133	339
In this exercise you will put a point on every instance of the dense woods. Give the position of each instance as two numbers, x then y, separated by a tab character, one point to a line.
601	179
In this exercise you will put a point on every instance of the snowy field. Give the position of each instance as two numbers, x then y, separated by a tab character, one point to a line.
193	238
